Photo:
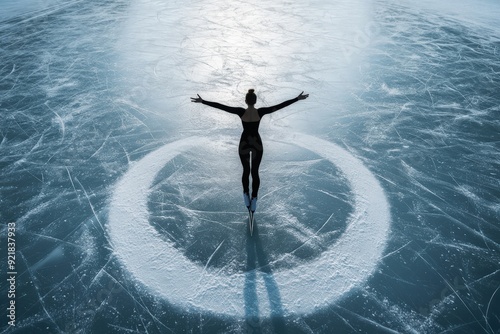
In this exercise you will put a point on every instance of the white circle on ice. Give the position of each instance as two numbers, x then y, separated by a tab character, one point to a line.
304	289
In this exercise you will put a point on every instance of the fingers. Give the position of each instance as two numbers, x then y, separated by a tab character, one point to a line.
197	99
302	96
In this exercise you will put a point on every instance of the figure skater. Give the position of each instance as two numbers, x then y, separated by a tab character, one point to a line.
250	147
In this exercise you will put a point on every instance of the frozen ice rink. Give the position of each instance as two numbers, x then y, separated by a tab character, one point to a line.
120	200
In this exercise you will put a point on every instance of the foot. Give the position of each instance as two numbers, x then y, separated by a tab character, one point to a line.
253	204
246	199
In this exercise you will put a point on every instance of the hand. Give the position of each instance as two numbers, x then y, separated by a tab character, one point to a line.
302	96
197	99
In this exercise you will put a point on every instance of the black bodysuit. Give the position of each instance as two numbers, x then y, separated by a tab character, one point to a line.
250	147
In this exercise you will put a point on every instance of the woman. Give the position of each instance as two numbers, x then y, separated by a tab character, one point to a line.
250	147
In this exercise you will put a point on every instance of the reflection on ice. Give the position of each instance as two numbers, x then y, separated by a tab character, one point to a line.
89	89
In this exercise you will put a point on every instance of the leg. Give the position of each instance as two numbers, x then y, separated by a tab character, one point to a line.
245	162
256	159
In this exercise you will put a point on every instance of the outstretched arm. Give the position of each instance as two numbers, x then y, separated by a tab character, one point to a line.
232	110
268	110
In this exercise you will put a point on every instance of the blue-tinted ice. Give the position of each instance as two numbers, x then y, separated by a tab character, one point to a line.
411	92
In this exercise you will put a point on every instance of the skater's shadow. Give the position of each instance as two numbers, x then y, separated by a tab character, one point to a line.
259	270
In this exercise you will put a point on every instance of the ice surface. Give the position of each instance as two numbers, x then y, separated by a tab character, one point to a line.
303	287
89	89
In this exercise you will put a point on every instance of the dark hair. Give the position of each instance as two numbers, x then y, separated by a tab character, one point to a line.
251	98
